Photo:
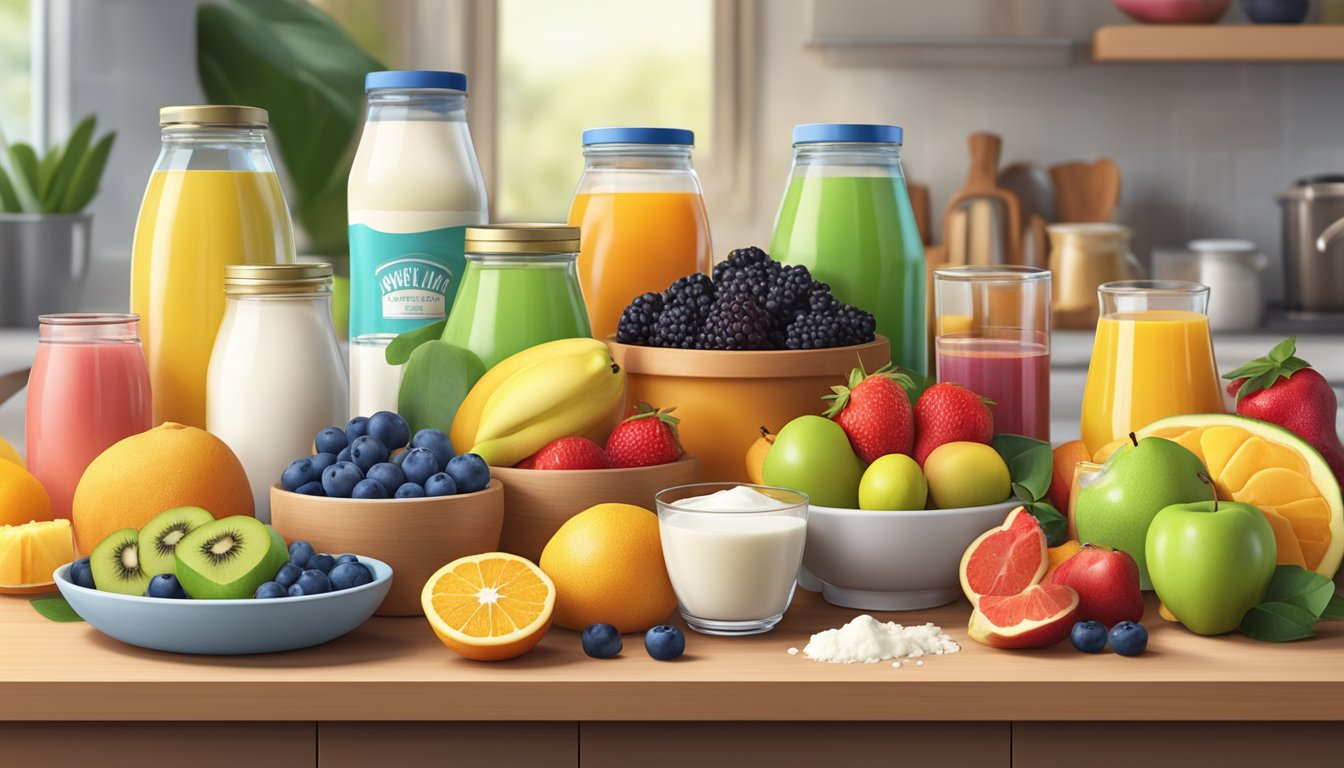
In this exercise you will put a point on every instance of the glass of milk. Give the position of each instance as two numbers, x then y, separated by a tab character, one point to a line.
732	552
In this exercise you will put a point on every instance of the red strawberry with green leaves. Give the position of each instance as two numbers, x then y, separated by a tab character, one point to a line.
568	453
874	410
1284	389
645	439
950	413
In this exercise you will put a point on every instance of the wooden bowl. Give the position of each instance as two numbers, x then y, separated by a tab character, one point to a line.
724	398
415	536
538	501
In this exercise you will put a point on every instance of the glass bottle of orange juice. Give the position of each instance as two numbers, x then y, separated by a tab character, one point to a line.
1152	358
213	199
641	217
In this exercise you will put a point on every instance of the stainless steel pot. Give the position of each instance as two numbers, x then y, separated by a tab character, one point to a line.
44	259
1313	251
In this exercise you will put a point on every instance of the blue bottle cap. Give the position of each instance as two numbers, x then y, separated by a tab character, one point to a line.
816	133
415	78
679	136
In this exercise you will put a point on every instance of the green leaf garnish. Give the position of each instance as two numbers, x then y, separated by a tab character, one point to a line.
1334	610
1054	524
1277	622
437	379
400	349
1306	589
1029	461
1262	372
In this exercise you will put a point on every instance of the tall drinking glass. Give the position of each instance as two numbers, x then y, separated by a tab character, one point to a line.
992	326
89	388
1152	358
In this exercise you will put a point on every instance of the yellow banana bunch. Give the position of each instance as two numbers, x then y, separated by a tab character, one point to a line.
558	389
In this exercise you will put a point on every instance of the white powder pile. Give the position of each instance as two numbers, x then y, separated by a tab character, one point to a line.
869	641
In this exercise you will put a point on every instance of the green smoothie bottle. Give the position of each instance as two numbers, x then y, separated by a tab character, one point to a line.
520	289
846	216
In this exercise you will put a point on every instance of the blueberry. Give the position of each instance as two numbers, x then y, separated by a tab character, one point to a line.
269	590
300	552
340	479
1129	638
470	472
300	472
436	442
441	484
323	563
601	641
344	455
347	575
1088	636
411	491
166	585
390	475
310	582
664	643
311	489
419	465
347	559
368	489
330	440
397	458
288	574
367	451
81	572
323	460
356	428
390	428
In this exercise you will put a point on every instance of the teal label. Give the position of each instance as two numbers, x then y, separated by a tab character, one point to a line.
401	281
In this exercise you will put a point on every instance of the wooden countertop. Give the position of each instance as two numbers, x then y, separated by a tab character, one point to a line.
395	669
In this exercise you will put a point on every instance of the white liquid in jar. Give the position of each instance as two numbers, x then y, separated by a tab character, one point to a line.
374	383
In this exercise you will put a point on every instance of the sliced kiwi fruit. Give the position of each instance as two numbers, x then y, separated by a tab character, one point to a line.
116	565
160	536
228	559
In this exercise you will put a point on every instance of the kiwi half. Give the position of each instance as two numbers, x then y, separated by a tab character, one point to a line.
228	559
116	565
160	536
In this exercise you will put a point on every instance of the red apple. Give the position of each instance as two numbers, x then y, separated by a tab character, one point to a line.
1107	583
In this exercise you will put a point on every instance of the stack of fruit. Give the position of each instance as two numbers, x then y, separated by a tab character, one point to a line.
376	457
647	438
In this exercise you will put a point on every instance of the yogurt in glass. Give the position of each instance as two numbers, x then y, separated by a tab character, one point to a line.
732	552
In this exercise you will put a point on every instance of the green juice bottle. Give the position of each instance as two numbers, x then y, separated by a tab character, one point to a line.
846	216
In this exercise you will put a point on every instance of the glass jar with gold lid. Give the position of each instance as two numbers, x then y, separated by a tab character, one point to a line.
276	375
520	289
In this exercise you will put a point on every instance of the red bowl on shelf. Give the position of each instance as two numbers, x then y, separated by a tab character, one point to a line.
1174	11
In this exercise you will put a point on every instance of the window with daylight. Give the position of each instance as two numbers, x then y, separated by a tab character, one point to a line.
16	87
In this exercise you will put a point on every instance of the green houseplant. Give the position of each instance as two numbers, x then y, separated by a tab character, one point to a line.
44	233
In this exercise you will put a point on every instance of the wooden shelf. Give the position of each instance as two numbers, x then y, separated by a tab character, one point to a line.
1243	43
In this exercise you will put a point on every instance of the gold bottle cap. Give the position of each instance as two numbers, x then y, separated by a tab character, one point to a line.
229	115
522	238
255	279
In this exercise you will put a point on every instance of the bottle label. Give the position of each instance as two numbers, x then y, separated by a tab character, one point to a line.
401	281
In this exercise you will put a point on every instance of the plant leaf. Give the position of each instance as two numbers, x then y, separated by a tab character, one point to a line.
437	378
1334	610
9	199
1055	525
1283	350
400	349
1296	585
25	161
1029	461
84	184
73	155
46	171
1278	623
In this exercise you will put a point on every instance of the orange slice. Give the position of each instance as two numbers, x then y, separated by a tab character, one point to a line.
489	607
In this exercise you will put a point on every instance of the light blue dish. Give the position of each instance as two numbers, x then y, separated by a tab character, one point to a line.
228	626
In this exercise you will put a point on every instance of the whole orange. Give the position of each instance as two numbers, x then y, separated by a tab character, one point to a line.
607	565
172	465
1067	456
22	497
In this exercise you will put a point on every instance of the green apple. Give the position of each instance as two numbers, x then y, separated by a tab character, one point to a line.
1211	562
812	454
894	481
1116	504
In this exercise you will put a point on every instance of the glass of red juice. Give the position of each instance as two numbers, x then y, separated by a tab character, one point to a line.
992	326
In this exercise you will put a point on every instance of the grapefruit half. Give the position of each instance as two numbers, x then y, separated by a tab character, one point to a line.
1005	560
1042	615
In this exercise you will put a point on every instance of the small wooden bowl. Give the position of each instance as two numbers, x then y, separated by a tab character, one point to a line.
538	501
415	536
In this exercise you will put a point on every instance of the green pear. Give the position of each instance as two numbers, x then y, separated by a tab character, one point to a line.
1116	505
812	454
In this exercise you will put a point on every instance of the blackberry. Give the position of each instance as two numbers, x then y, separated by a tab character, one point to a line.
678	326
747	270
695	291
841	326
736	321
856	325
639	318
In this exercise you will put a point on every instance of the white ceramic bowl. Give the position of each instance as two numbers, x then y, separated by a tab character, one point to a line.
892	561
228	626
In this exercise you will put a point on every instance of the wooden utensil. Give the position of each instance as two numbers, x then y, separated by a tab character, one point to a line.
982	224
1086	192
1030	184
919	201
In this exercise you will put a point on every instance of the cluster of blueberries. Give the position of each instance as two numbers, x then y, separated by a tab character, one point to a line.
364	461
663	642
312	573
1127	638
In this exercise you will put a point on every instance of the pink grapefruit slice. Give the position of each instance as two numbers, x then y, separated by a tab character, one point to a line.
1005	560
1040	616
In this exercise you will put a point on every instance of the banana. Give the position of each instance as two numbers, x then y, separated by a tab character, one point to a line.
468	418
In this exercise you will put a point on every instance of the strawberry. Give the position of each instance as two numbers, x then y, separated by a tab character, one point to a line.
568	453
647	438
948	413
1284	389
874	411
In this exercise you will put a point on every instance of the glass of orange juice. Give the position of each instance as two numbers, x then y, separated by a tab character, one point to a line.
1152	358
